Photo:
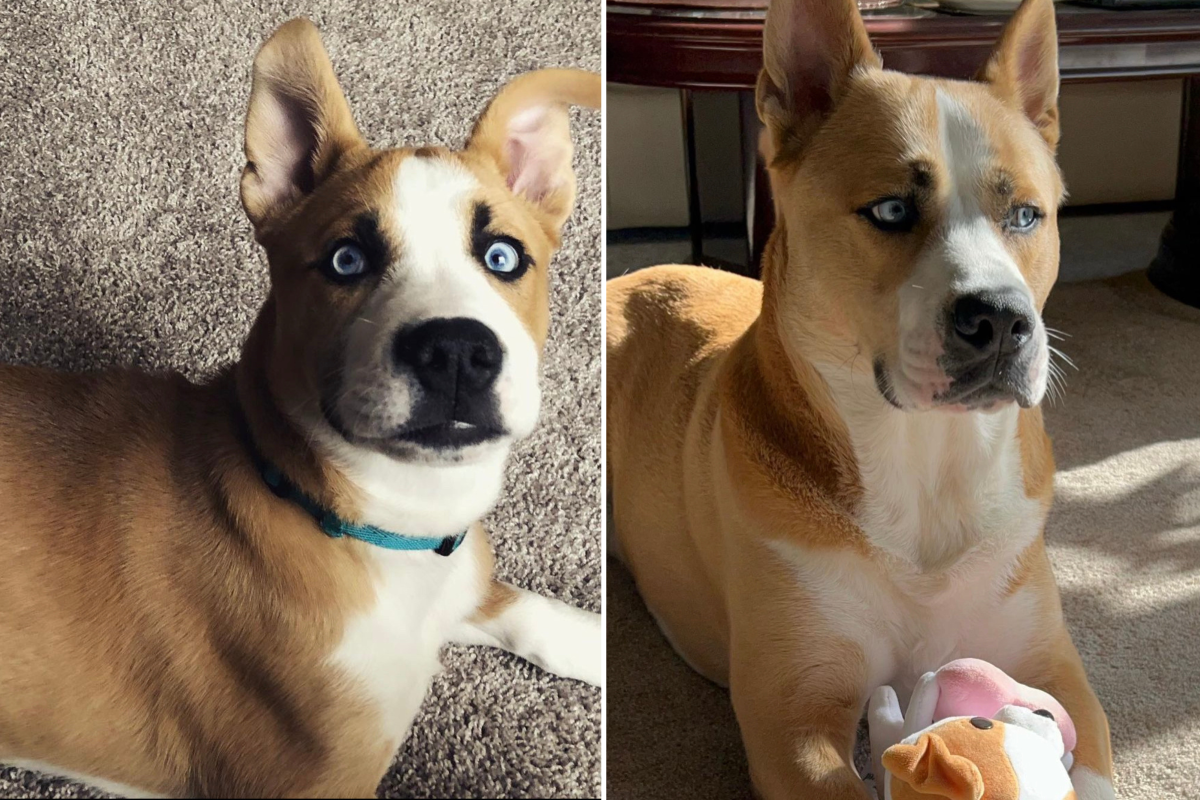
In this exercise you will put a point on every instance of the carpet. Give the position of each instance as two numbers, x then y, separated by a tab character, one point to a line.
124	244
1123	536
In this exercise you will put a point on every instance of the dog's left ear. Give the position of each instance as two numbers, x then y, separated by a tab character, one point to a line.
526	134
1023	68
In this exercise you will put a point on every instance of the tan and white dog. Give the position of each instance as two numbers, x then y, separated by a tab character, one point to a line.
838	478
241	588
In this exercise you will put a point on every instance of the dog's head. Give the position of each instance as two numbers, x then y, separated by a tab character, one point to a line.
919	216
409	288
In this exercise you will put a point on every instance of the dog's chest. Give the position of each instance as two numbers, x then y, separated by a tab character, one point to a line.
391	650
945	512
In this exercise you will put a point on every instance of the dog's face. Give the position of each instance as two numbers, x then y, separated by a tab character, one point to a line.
409	288
920	214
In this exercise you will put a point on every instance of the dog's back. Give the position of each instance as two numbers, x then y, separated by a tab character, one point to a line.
134	555
670	326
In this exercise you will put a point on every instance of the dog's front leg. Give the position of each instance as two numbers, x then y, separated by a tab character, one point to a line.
559	638
1058	670
798	701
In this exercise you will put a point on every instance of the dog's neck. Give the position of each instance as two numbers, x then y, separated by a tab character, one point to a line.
360	485
930	483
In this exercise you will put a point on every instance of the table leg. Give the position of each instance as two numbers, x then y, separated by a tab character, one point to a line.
695	219
760	208
1176	269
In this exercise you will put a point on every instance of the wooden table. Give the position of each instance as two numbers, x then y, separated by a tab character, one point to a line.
717	44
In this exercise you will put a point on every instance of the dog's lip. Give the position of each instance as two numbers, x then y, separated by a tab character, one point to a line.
981	390
449	434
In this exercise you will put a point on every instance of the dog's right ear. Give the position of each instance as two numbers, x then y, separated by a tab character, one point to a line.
298	125
810	50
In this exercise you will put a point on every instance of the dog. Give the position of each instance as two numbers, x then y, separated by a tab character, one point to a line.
838	477
241	588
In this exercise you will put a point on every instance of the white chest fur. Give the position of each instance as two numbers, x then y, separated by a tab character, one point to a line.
391	650
945	511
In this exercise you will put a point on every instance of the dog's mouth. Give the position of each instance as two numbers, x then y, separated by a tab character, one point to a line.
451	434
429	429
979	387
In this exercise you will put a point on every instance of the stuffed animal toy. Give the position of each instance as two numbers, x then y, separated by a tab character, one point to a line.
970	729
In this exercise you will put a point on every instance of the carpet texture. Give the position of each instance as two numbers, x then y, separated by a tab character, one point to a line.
1124	538
124	244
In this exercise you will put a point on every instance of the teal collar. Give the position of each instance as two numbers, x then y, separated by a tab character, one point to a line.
336	527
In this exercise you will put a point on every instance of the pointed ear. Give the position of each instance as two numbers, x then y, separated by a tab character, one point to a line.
526	133
810	50
930	768
1023	68
298	125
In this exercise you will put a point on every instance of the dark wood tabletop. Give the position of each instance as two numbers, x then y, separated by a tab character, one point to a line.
717	44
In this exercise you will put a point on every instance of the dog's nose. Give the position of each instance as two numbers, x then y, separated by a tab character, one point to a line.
451	356
994	322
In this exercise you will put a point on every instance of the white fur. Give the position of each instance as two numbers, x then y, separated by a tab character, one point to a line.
435	275
392	650
559	638
944	500
1091	786
967	256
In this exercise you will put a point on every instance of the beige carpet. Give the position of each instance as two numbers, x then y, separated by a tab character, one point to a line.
1124	537
123	242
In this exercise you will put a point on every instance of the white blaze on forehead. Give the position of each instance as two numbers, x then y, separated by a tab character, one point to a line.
432	211
974	253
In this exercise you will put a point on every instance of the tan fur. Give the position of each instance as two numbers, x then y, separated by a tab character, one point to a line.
724	440
167	620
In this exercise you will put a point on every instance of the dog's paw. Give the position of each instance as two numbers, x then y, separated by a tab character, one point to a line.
572	643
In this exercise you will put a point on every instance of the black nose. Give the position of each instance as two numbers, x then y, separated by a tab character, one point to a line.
451	356
993	322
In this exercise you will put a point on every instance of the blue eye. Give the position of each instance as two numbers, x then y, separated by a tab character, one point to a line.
1023	218
891	214
501	257
348	261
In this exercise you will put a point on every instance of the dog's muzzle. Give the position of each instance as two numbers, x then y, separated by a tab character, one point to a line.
456	363
989	350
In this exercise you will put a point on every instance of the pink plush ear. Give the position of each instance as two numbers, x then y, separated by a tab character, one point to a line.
973	688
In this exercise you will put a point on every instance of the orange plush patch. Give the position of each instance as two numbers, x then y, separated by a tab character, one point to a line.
961	760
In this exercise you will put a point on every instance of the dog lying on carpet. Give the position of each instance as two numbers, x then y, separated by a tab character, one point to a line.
241	588
838	478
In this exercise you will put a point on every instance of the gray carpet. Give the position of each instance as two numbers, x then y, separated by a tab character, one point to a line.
1124	538
124	243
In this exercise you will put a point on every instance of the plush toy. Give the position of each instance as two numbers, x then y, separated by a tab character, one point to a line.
971	729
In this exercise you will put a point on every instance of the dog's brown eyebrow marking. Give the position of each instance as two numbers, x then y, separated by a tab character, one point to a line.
922	174
1004	185
425	152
